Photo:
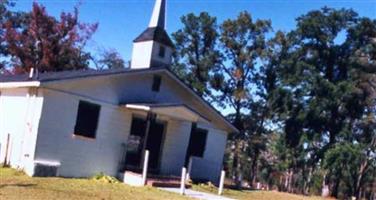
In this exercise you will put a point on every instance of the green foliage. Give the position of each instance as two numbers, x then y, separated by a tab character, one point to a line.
315	186
342	163
314	87
219	62
196	53
323	90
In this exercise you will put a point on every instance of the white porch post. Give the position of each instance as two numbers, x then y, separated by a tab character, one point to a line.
189	168
147	129
145	169
182	182
221	182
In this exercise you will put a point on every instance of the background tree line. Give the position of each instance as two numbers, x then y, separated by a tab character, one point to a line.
303	100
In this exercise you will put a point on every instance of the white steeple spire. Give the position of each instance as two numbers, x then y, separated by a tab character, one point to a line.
153	47
159	14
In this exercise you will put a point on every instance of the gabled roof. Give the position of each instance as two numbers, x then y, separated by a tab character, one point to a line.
25	81
64	75
157	34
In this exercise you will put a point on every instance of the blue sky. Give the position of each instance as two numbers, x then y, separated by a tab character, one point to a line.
120	21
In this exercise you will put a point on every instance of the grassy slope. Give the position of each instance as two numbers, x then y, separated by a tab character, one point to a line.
15	185
255	195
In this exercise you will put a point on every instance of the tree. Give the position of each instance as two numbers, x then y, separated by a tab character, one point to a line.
344	162
221	66
18	19
300	99
363	56
196	53
243	43
4	15
110	59
324	85
47	44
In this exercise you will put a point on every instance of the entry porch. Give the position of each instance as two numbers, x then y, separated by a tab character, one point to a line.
170	135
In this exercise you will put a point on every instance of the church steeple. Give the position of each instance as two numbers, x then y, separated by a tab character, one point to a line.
158	19
153	48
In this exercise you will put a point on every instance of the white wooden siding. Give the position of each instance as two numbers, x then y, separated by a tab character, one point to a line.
137	88
81	157
209	167
19	117
86	157
175	147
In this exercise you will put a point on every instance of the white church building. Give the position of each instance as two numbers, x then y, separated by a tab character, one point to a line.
81	123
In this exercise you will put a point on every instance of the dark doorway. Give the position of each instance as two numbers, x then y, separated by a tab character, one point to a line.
154	143
197	143
135	142
138	141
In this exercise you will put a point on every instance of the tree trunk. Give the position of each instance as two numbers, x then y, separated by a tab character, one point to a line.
290	181
362	169
254	168
306	183
286	181
237	166
239	177
280	183
238	149
336	186
325	188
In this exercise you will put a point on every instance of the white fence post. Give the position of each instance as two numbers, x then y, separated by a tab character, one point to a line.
182	182
145	169
221	182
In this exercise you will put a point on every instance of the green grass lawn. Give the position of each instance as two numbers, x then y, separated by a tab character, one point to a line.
15	185
255	195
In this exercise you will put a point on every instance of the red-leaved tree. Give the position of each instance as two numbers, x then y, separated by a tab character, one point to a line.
46	43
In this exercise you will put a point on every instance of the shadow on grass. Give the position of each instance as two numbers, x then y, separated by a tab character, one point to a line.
17	185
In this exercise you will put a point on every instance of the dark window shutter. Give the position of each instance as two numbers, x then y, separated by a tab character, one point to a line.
162	51
156	83
87	119
197	143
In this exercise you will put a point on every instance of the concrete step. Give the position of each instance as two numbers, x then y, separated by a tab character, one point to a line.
135	179
165	182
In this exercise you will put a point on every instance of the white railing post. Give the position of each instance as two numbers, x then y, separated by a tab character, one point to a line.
145	169
182	182
221	182
189	168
